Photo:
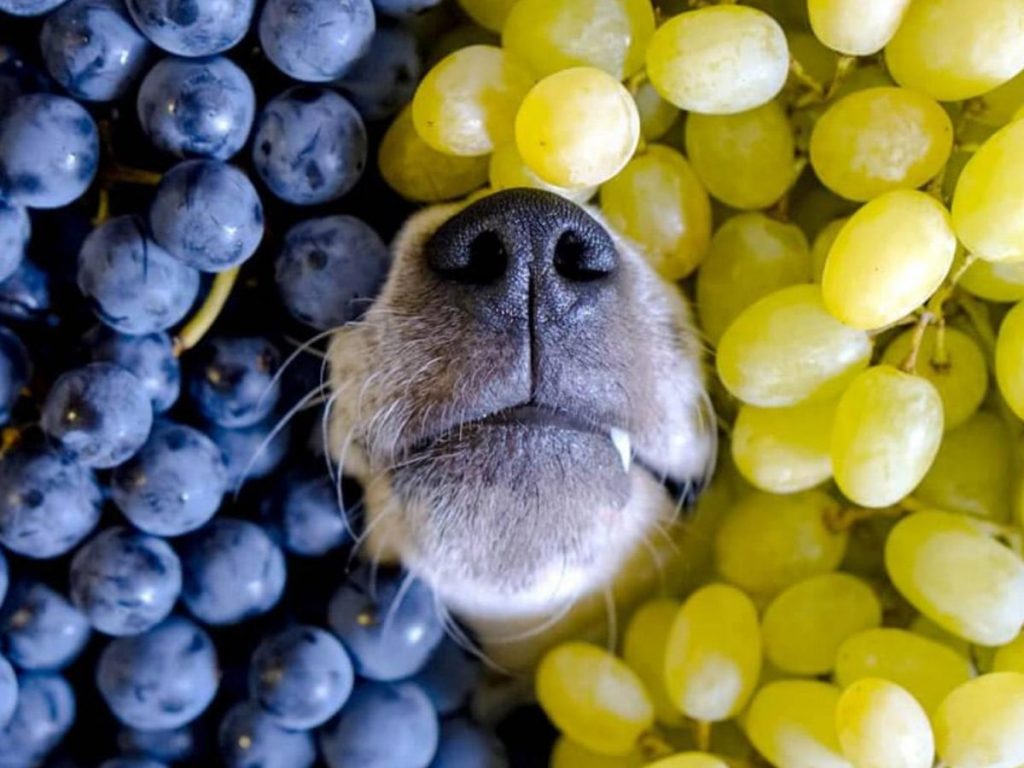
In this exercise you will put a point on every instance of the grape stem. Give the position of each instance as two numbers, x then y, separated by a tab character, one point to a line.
910	363
933	313
201	322
654	746
702	735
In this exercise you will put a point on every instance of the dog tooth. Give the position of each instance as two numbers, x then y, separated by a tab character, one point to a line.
623	444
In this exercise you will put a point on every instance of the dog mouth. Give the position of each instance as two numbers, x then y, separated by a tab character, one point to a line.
531	417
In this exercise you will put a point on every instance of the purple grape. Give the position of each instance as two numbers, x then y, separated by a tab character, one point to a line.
466	745
150	357
44	714
250	739
235	384
125	582
15	370
100	414
40	629
15	231
164	678
300	677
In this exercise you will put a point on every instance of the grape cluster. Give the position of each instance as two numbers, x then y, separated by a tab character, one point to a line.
186	198
843	201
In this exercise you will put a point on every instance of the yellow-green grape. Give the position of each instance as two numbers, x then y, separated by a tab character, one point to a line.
689	760
989	196
950	569
1010	359
972	471
569	754
1010	657
658	202
787	348
593	698
855	27
925	627
508	171
643	650
466	105
926	668
750	256
457	38
890	257
816	60
745	160
657	116
957	49
886	433
995	280
881	725
959	371
804	625
783	450
863	77
792	724
766	542
490	14
719	60
422	174
823	244
713	655
979	724
880	139
998	107
550	35
577	128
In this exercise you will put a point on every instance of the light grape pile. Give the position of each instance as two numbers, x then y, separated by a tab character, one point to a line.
839	185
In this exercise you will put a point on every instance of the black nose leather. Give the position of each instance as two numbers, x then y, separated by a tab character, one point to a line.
523	253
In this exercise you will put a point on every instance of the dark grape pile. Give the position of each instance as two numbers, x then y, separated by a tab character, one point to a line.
188	196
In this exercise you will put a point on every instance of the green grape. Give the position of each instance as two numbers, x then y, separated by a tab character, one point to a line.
786	348
979	724
577	128
657	116
927	669
823	244
816	60
422	174
489	14
995	280
643	650
658	202
1010	359
593	698
713	655
551	35
719	60
957	49
971	473
689	760
569	754
766	543
886	433
881	725
856	27
949	568
862	78
960	373
1010	657
783	450
457	38
508	171
750	256
893	254
467	103
745	160
989	196
880	139
925	627
804	626
792	724
998	107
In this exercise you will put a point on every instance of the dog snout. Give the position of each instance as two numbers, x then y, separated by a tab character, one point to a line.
524	254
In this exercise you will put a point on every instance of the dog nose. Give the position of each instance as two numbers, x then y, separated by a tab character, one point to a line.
523	252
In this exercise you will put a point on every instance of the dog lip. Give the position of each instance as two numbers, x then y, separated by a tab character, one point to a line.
528	415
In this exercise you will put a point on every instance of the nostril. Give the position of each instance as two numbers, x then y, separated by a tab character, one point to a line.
482	262
577	260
